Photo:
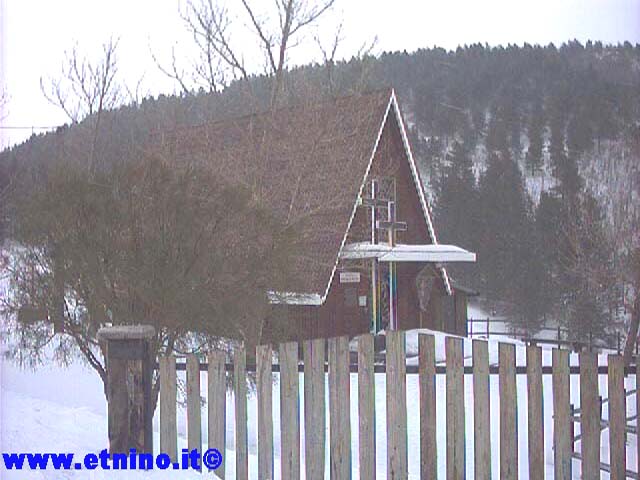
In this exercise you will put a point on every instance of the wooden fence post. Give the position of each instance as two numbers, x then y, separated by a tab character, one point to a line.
314	408
589	416
216	405
129	376
289	412
617	418
481	412
562	419
396	406
264	391
194	407
536	414
168	399
339	409
427	380
366	407
240	393
508	408
455	409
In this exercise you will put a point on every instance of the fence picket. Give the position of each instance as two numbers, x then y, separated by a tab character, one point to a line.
314	408
508	418
240	393
217	403
562	421
264	391
366	407
194	414
617	418
339	422
455	409
289	412
339	369
396	406
168	391
589	416
535	410
637	412
427	380
481	413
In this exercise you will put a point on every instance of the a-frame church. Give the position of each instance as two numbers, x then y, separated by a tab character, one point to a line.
342	169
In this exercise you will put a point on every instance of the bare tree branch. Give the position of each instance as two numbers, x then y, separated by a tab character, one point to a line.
136	95
85	88
267	43
4	101
174	73
329	54
311	16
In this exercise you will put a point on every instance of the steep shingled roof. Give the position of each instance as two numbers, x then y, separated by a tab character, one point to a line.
307	163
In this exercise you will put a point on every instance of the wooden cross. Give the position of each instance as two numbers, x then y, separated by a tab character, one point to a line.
374	203
392	226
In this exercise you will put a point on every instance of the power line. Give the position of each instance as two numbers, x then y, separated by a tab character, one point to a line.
13	127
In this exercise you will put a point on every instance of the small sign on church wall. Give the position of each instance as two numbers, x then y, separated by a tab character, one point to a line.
349	277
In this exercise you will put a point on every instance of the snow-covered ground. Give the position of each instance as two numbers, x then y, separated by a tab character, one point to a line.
63	409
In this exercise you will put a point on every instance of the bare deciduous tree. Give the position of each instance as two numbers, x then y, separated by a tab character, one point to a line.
6	178
4	100
222	58
86	89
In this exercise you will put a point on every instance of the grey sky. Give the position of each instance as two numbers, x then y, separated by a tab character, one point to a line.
34	35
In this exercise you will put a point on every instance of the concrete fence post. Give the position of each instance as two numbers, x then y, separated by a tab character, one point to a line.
129	376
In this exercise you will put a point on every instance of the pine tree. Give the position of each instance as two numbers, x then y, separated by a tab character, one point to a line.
587	264
579	133
433	156
575	231
457	195
557	144
549	218
456	206
531	293
564	163
505	219
497	136
535	133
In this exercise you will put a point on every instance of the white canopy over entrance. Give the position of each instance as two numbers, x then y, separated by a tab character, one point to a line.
407	253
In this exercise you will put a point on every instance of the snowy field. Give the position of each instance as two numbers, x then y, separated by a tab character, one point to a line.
63	409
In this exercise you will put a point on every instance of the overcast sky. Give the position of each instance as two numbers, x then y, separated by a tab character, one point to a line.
34	35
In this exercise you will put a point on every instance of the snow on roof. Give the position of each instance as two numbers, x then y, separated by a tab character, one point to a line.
292	298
